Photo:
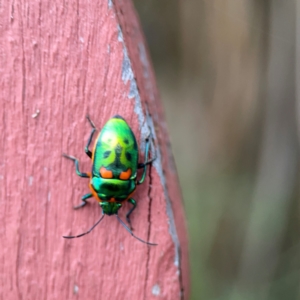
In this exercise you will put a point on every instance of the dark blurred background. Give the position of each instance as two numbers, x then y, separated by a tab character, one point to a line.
227	73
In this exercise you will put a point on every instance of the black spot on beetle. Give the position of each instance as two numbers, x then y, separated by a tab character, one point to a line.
128	156
106	154
126	141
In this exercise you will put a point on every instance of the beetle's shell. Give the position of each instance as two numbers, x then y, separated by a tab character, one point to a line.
115	149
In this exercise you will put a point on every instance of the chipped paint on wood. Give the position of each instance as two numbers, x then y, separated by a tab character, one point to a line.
154	112
145	127
128	75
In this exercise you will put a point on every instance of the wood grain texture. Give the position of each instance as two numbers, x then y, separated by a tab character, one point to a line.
68	59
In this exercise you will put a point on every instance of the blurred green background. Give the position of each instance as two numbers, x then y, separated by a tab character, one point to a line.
227	73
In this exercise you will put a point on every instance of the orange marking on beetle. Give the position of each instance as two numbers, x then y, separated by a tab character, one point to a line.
125	175
107	174
94	193
94	147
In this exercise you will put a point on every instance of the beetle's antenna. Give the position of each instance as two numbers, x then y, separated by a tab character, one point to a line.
77	236
128	229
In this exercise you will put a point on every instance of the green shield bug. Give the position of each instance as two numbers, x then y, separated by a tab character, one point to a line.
114	171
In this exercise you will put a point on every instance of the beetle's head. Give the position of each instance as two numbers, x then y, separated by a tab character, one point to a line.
110	208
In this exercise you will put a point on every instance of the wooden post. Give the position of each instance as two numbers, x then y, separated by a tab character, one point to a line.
61	60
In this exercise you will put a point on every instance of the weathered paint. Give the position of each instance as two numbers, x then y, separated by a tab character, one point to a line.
144	77
67	59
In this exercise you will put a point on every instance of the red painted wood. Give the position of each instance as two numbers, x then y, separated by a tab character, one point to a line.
67	59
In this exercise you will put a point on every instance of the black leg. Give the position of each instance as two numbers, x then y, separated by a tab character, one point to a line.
147	162
85	175
142	165
133	202
83	203
86	149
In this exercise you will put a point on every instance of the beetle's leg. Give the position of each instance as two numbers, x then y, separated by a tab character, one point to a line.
86	149
83	203
142	165
147	162
90	121
85	175
133	202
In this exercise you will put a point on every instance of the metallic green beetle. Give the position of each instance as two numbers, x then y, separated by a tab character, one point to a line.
114	172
